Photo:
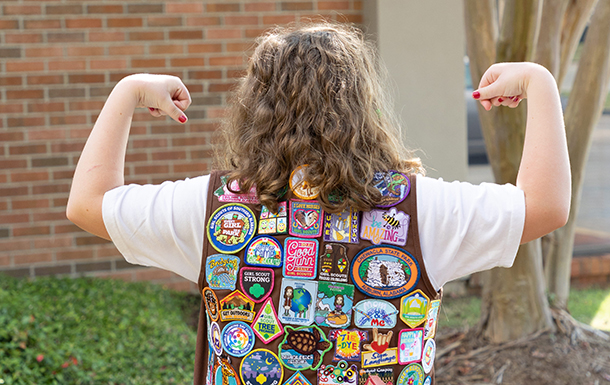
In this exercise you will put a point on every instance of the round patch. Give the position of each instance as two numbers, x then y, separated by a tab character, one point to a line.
264	251
237	338
215	340
384	271
300	187
261	367
428	381
429	352
211	303
411	375
231	227
393	186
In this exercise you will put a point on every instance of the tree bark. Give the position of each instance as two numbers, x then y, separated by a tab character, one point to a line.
548	46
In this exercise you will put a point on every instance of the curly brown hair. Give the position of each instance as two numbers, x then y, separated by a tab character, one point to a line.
314	95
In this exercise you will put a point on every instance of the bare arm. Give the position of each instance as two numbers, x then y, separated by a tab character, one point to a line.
544	172
101	164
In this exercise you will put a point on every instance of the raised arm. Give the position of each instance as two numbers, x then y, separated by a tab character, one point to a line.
101	164
544	172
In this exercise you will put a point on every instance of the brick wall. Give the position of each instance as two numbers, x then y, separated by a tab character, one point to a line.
58	62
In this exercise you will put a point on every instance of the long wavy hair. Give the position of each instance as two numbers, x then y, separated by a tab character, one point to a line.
313	95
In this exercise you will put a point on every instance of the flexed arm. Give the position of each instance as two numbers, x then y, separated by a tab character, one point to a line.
102	162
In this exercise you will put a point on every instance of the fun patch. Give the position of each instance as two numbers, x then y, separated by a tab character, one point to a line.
347	343
297	379
231	227
384	271
428	380
267	325
221	271
334	304
380	226
236	307
264	251
256	283
377	376
414	308
412	374
300	187
342	227
215	339
432	319
410	345
224	195
428	356
211	303
378	352
224	374
296	306
300	258
393	186
270	223
261	367
305	219
375	313
340	374
303	347
237	338
334	264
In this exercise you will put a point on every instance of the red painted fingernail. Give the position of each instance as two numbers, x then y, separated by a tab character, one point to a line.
476	94
500	100
182	119
516	99
151	109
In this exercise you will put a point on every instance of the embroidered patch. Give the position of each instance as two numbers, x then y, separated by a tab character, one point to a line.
256	283
231	227
340	374
264	251
414	308
334	264
215	339
224	374
297	306
221	271
297	379
410	345
303	347
261	367
393	186
375	313
209	376
334	304
412	374
211	303
305	219
380	226
428	356
236	307
378	352
384	271
224	195
300	187
237	338
270	223
267	325
347	343
342	227
428	381
300	258
431	319
377	376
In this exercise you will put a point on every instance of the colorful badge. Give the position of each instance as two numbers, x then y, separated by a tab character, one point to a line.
334	264
412	374
237	338
261	367
236	307
211	303
376	376
305	219
209	376
380	226
221	271
393	186
224	195
303	347
414	308
297	379
428	381
256	283
378	352
300	258
428	356
264	251
300	187
432	319
334	304
231	227
224	374
296	305
410	345
384	271
215	338
270	223
342	227
340	374
375	313
267	325
347	343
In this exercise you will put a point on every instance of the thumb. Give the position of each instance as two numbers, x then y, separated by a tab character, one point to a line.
488	92
173	111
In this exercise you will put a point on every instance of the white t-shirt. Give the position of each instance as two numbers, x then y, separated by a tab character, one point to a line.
463	228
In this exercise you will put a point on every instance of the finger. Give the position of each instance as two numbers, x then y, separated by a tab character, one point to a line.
154	112
174	112
497	102
513	102
374	334
182	98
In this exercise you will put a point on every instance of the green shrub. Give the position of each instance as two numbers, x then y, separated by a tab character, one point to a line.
92	331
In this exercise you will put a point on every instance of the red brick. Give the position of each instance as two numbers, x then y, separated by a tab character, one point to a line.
20	66
151	170
149	143
22	10
224	33
30	204
10	81
146	36
47	134
73	9
145	8
11	137
50	162
191	167
223	7
226	61
86	78
59	175
29	176
163	21
198	21
297	6
64	229
333	5
136	157
104	9
65	37
82	133
279	19
27	259
255	32
67	65
239	47
85	51
192	141
217	113
45	79
69	120
110	64
166	49
13	163
187	62
28	149
42	24
261	7
127	277
185	35
24	94
74	255
61	202
204	48
86	105
106	36
241	20
44	52
184	7
13	38
31	230
147	63
350	18
9	24
125	22
186	286
169	155
51	189
126	50
86	23
26	121
55	242
358	5
11	108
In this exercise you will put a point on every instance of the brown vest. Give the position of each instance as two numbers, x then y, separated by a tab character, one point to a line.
335	318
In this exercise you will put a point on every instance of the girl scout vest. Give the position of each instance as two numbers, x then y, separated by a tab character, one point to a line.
304	297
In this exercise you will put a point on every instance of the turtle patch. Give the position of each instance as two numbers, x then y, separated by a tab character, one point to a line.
303	347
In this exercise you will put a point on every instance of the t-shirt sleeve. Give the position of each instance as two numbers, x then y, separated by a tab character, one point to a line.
465	228
159	225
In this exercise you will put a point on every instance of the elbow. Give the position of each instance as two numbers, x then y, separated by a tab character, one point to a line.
73	213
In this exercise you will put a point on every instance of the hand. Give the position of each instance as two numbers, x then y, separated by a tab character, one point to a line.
162	95
380	342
